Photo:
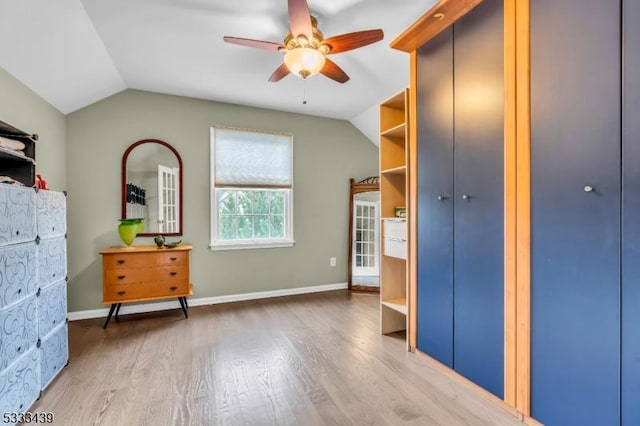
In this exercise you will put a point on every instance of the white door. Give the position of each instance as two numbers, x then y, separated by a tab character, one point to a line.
365	239
168	199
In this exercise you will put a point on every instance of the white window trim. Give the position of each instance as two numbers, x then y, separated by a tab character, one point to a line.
216	244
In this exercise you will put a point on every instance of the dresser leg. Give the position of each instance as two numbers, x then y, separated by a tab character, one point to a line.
118	310
183	304
113	308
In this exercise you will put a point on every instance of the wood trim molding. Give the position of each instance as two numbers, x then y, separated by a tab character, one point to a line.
432	23
517	187
510	204
412	273
523	167
461	379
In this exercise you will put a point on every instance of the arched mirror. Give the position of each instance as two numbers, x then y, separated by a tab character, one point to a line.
152	187
364	235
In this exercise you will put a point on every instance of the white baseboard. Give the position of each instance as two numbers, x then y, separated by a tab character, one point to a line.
137	308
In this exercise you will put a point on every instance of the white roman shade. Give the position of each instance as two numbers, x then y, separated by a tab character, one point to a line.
249	158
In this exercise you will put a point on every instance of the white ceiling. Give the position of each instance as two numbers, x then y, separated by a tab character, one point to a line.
76	52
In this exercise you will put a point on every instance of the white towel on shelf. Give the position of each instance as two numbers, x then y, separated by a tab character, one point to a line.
10	181
12	144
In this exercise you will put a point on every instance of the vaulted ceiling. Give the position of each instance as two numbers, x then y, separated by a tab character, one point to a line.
76	52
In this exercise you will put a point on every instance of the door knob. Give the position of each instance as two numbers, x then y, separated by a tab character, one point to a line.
588	188
466	196
441	197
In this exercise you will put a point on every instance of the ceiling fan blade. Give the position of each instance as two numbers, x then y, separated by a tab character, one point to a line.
334	72
279	73
266	45
344	42
300	19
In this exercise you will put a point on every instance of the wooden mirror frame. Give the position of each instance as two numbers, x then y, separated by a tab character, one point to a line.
370	184
125	156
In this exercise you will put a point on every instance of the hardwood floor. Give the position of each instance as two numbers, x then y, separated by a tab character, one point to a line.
301	360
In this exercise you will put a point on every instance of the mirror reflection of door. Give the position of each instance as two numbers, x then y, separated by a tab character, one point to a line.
365	268
152	175
167	199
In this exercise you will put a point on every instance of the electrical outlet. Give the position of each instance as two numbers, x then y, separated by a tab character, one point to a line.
332	262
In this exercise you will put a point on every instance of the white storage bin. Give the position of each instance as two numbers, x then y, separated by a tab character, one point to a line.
395	228
395	247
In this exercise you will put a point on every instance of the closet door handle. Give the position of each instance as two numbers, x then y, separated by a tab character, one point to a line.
466	196
588	188
442	197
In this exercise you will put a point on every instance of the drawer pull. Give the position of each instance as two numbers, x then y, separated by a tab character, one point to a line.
173	259
121	277
121	293
173	274
173	288
120	261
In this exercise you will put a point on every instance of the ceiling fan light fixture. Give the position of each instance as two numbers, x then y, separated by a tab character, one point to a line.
304	61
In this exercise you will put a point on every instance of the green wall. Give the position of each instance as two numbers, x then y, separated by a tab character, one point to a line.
327	153
22	108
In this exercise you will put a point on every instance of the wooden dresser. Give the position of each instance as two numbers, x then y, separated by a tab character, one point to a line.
143	273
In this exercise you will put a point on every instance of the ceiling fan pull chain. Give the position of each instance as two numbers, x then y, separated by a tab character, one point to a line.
304	91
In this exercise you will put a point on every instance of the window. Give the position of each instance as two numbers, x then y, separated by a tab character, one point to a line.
251	192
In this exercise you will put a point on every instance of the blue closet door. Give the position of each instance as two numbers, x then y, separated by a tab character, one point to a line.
575	240
435	198
479	196
631	217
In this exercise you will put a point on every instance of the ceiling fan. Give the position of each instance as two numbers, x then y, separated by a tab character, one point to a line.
305	47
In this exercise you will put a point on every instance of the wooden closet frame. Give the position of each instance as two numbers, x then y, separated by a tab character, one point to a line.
517	189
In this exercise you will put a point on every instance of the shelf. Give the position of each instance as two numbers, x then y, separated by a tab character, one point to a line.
398	305
394	171
20	167
9	154
397	101
400	170
398	131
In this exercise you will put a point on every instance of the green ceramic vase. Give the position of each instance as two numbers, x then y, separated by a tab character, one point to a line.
128	229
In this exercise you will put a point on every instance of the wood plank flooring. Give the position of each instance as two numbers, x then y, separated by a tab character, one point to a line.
302	360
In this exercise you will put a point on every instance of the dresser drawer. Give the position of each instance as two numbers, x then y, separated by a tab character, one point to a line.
18	330
117	293
52	261
17	214
52	214
20	384
144	260
395	248
52	307
17	273
54	353
177	273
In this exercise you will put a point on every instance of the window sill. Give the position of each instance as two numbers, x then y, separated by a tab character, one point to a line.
220	246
